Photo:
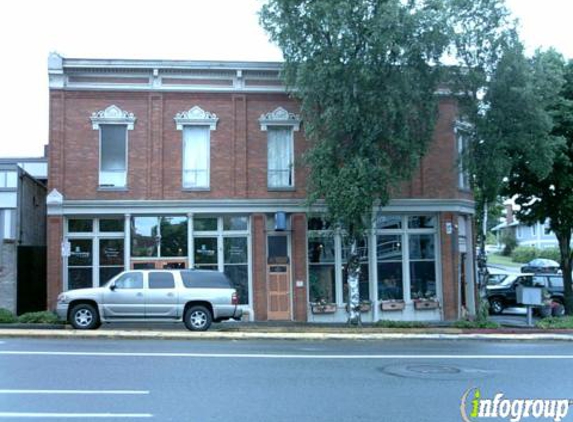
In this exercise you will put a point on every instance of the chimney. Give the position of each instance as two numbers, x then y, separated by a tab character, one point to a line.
508	214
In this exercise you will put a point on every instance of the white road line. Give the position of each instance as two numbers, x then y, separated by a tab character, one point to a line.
112	392
14	415
276	356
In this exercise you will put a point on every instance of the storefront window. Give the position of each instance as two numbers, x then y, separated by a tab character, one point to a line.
321	268
389	262
173	236
422	266
237	265
235	223
364	285
111	225
206	253
203	224
80	263
388	222
422	222
110	259
144	236
164	237
80	225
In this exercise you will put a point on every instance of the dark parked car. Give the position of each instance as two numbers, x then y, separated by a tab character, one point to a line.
503	294
540	265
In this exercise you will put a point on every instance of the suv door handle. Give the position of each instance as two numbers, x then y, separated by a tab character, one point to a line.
139	294
170	294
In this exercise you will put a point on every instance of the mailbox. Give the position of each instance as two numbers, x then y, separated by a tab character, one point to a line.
529	295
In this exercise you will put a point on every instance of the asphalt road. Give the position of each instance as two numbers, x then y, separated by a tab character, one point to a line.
203	381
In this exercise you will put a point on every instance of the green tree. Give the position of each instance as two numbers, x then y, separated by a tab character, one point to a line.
365	72
551	196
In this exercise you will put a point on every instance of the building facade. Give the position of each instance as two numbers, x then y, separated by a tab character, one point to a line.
176	164
22	234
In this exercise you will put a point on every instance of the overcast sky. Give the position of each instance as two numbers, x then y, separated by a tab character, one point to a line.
168	29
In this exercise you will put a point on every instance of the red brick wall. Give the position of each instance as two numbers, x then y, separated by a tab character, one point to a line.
450	263
259	248
299	256
238	147
54	270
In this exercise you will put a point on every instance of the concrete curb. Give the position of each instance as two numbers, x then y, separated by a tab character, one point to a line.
215	335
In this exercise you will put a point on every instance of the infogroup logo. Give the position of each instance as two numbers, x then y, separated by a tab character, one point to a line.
474	407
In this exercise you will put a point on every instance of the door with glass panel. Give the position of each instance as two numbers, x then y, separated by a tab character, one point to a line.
125	297
278	278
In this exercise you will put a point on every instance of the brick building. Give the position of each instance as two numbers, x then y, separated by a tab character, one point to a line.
23	233
158	164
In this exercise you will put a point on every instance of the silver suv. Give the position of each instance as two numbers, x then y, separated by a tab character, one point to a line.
196	297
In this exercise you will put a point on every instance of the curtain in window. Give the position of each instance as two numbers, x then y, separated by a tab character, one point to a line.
196	156
279	157
113	155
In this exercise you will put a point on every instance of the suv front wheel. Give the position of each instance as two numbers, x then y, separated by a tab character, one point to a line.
197	318
496	305
84	317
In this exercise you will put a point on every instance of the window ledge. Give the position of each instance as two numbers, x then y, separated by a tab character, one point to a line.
281	189
196	189
112	189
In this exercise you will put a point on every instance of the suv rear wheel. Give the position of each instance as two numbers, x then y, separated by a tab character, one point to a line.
197	318
84	317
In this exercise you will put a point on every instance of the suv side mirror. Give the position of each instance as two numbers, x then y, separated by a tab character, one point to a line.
112	287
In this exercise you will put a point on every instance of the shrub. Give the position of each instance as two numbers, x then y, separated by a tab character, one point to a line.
524	254
550	253
475	324
509	241
527	253
555	322
43	317
400	324
7	317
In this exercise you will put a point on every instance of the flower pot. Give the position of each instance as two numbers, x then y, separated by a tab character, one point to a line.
363	307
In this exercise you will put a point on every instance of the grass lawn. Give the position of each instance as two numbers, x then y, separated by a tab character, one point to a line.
506	261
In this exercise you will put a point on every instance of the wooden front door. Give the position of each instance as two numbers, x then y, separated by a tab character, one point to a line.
278	292
278	278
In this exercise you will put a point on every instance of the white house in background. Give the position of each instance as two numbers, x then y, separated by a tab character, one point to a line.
537	235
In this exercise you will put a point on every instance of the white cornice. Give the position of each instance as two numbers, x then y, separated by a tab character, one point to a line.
244	206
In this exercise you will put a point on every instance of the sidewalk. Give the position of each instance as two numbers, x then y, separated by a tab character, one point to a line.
283	331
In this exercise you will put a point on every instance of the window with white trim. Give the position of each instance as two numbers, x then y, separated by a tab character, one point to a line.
196	151
113	156
196	125
280	126
113	124
280	157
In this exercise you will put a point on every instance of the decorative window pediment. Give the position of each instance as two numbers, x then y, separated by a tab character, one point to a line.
279	117
196	116
113	115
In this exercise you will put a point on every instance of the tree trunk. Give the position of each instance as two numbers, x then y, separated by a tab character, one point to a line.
353	274
565	252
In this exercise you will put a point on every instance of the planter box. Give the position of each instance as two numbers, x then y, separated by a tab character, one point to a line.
364	307
426	304
328	308
395	305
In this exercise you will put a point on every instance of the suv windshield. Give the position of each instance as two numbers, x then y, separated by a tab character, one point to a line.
495	279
